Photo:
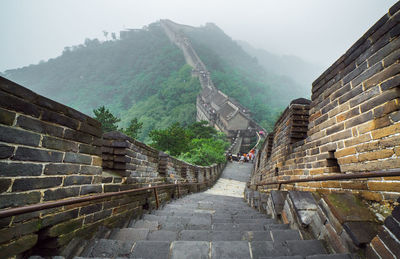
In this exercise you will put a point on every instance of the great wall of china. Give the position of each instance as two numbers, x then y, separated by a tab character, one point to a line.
64	184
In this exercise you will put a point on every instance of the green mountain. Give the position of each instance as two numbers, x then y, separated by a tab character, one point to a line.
143	75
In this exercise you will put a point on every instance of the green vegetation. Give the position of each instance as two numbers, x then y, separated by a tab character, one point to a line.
142	78
196	143
134	128
107	119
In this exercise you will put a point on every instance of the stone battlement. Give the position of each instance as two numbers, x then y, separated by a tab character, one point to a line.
350	126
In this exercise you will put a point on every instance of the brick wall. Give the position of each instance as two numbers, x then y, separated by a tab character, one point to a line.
50	152
353	120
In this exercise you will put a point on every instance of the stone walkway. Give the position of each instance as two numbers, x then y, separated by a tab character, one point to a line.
216	223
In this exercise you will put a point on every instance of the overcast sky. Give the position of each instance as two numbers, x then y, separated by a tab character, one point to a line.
315	30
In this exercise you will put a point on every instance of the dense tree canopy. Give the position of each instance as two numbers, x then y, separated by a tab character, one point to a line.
196	143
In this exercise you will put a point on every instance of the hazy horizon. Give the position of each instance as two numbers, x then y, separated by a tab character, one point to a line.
316	31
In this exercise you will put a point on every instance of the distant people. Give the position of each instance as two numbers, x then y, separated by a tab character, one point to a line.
229	157
261	133
246	159
241	159
251	157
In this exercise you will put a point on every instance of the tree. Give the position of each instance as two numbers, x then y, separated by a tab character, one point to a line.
107	119
113	36
202	130
134	128
174	139
105	34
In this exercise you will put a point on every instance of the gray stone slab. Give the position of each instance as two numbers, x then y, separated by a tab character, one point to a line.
224	226
107	248
152	217
163	235
284	235
230	250
190	249
151	225
194	235
278	200
305	247
151	250
276	226
226	236
208	205
257	236
303	200
132	234
283	257
222	220
331	256
262	249
249	227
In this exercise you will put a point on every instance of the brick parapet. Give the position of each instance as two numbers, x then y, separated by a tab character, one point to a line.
354	121
50	152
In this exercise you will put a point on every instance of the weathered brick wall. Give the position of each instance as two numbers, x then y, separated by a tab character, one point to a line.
50	152
131	159
354	120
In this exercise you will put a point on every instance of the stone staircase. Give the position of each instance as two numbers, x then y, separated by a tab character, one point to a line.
213	224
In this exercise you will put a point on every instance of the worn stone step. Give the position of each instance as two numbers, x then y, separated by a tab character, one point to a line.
149	224
151	250
194	235
305	247
266	249
283	257
190	249
280	236
107	248
330	256
257	236
131	234
237	227
152	217
226	235
230	249
276	227
163	235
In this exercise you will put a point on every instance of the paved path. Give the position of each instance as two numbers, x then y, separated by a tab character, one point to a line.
232	181
216	223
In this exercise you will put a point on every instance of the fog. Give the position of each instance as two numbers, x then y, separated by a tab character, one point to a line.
318	31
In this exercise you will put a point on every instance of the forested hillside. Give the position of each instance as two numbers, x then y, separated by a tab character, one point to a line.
240	75
143	75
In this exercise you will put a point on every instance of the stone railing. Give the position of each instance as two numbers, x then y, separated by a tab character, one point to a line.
51	153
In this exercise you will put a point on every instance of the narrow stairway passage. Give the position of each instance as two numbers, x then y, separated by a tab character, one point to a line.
216	223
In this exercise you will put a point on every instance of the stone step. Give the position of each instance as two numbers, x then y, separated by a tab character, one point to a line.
131	234
149	224
305	247
163	235
190	249
329	256
268	249
237	227
280	236
230	249
151	250
107	248
206	235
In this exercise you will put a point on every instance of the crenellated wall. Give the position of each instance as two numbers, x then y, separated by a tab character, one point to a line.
50	152
353	124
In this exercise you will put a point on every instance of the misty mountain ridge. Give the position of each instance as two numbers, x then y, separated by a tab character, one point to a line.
142	74
301	71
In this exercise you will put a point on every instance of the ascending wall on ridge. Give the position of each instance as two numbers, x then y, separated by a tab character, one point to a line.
354	123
